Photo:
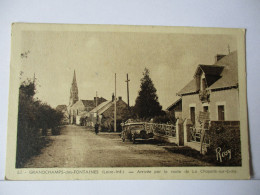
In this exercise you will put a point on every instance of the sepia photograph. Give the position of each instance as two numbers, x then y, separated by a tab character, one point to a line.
122	98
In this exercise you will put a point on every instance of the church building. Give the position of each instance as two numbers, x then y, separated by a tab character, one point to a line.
73	91
77	107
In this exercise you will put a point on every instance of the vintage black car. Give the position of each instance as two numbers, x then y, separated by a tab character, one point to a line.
135	130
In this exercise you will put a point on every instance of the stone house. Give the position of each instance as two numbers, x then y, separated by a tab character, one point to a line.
176	109
122	114
94	115
104	114
214	89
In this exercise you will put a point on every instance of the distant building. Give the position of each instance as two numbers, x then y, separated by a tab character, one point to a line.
89	112
73	99
78	107
73	91
83	106
107	114
214	89
176	109
104	113
95	114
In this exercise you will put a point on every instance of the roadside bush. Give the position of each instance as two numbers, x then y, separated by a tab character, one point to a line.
55	131
165	118
33	115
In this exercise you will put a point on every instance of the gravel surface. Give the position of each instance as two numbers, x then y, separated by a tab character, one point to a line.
78	146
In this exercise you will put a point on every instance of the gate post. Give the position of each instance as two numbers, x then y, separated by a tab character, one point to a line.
187	125
179	132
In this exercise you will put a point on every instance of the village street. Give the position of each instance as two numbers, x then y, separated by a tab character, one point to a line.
78	146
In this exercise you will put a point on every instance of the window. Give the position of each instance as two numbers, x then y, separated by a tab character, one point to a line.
221	113
205	108
192	114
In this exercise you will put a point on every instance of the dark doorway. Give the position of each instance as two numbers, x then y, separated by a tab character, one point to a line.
192	114
221	113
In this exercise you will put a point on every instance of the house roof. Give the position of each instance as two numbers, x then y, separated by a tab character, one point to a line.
222	74
100	106
229	76
92	103
104	108
214	70
88	103
108	105
61	107
101	100
191	87
174	104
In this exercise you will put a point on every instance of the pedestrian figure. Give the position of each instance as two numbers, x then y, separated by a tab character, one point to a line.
96	128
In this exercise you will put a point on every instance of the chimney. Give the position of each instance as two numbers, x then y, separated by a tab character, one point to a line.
96	100
119	97
219	57
113	97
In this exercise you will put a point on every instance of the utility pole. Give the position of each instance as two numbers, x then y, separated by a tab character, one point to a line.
96	98
127	83
115	106
33	78
96	108
228	49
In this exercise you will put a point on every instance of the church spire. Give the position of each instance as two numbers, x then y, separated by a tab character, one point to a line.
74	91
74	78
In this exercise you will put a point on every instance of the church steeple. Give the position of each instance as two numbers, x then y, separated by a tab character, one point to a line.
74	78
74	91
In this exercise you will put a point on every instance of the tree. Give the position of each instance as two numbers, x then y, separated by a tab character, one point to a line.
33	115
146	104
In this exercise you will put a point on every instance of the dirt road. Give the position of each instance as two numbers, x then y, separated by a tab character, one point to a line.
80	147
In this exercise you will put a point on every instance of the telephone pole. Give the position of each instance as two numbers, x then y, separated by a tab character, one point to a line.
96	98
127	83
115	106
96	108
33	78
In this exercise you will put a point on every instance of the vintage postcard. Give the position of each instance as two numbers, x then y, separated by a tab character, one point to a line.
127	102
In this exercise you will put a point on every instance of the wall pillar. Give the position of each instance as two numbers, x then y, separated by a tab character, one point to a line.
179	132
186	128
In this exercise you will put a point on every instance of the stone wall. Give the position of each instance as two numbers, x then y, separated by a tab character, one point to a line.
233	124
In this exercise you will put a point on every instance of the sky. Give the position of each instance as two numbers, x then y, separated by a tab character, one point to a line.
96	56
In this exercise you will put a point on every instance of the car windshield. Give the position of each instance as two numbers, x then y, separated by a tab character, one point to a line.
136	127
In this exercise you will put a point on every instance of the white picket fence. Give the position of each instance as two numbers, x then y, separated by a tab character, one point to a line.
161	129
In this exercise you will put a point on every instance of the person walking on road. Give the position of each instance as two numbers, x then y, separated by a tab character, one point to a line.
96	128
